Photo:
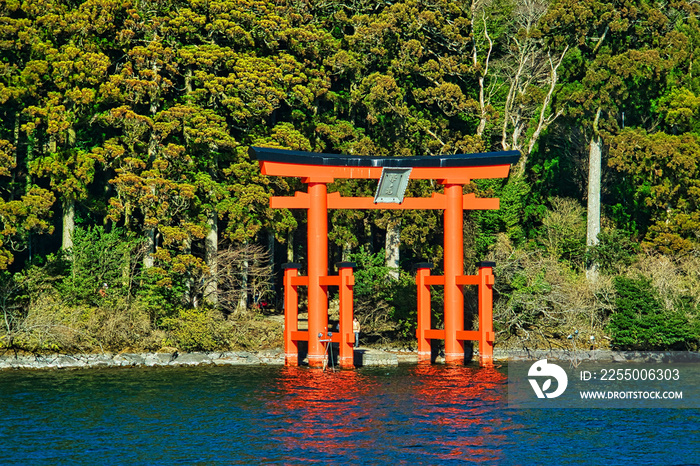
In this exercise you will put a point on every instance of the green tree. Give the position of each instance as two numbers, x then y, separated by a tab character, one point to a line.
25	206
641	322
622	54
664	172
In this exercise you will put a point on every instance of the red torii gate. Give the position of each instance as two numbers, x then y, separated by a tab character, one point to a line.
453	172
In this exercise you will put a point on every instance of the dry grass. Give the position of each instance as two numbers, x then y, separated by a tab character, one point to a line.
539	301
672	277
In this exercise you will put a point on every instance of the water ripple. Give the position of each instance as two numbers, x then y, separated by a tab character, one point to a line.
277	415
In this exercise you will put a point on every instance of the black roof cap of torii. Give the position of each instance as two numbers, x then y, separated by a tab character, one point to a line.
265	154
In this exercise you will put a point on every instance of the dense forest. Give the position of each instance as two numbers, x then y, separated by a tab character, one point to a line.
132	217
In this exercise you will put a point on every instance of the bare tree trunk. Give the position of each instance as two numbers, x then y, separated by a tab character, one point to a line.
243	302
271	251
150	233
31	147
150	236
271	247
211	247
545	120
68	208
15	153
290	246
594	176
244	271
191	290
529	63
391	247
475	60
68	225
188	80
68	219
369	234
347	250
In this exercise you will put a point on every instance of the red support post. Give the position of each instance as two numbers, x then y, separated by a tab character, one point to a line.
291	314
486	334
424	314
454	267
317	250
347	337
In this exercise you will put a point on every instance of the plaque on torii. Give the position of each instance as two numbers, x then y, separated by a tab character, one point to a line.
453	172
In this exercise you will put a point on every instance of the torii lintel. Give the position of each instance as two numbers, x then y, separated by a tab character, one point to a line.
325	168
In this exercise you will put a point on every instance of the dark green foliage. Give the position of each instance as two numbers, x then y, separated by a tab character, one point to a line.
372	277
521	211
640	320
159	299
385	306
100	265
614	252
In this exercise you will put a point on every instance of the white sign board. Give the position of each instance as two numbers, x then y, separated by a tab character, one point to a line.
392	185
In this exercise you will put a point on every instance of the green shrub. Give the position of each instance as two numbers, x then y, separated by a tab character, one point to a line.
614	252
404	310
564	231
640	320
97	258
159	294
372	277
195	330
385	307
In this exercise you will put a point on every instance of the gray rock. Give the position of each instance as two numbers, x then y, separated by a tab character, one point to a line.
366	357
102	361
68	362
129	359
192	359
158	359
248	358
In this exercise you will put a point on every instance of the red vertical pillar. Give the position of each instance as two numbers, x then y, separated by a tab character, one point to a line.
486	334
424	314
291	315
317	250
347	337
454	267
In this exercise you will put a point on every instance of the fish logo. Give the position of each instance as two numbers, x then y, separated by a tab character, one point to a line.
543	369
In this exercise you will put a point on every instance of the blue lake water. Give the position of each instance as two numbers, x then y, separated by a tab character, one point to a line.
277	415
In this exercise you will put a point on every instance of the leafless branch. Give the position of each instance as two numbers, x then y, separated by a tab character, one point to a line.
243	272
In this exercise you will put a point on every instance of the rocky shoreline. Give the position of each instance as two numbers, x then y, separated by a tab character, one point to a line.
598	355
109	360
363	357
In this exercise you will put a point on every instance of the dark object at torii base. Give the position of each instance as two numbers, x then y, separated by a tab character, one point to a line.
452	171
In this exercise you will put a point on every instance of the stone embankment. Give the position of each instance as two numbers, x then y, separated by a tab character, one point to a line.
598	355
8	361
363	357
105	360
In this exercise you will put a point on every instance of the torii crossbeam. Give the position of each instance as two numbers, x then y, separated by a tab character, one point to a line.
453	172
